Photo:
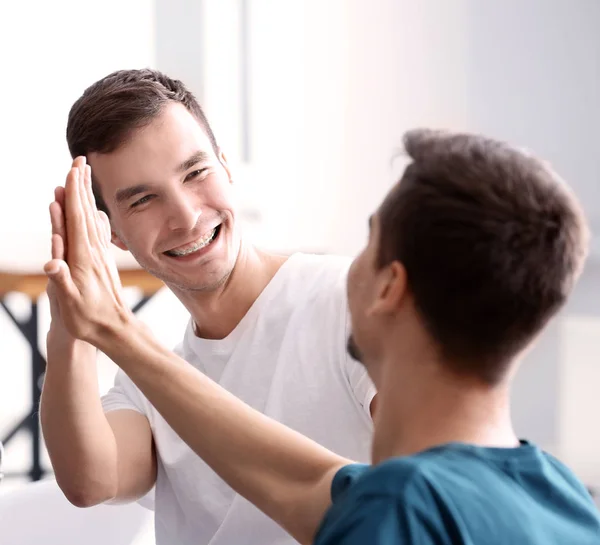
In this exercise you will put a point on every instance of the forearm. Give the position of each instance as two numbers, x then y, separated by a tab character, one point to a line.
283	473
80	442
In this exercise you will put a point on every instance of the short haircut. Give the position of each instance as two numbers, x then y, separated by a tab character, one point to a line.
492	241
111	109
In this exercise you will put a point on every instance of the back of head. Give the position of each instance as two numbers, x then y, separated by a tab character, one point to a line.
110	110
492	242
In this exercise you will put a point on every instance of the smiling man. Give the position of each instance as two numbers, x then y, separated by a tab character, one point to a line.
270	329
469	257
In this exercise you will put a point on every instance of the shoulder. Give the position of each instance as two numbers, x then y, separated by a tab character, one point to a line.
564	478
316	286
391	478
376	504
318	271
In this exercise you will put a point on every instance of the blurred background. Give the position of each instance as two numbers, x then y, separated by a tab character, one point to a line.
309	100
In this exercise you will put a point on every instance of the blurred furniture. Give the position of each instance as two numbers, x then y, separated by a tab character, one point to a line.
24	274
57	522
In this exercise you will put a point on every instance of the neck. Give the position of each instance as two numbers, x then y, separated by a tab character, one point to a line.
217	312
429	406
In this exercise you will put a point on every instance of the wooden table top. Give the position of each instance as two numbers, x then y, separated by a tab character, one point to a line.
34	285
22	261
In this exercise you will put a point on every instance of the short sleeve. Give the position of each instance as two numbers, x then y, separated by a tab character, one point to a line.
391	503
123	395
345	478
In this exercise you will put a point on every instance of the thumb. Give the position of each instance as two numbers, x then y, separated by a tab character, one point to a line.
53	268
105	228
59	276
51	293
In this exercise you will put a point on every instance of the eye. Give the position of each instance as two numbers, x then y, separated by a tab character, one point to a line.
141	201
195	174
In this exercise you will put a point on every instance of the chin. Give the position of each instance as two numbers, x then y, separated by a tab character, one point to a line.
204	277
204	283
353	350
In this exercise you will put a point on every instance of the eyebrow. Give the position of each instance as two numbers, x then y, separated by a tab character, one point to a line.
198	157
129	192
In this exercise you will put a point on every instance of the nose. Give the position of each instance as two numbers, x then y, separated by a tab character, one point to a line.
183	212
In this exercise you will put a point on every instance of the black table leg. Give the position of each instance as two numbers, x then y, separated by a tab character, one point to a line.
29	330
141	303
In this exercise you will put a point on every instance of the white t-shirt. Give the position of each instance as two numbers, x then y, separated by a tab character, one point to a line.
286	358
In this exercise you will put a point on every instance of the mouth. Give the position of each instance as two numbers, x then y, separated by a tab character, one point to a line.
195	246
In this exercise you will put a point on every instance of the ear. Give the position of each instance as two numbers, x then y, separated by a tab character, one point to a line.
390	290
114	238
223	161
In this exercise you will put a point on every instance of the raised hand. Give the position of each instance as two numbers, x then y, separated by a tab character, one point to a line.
84	285
60	343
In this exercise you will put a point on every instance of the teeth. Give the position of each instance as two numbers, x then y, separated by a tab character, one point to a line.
195	246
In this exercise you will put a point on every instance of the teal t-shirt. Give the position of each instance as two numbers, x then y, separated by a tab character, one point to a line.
460	494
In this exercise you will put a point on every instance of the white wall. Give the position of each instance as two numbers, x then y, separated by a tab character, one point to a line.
534	79
405	68
333	87
50	52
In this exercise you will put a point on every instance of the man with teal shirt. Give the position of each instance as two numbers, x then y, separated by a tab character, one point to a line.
469	257
461	494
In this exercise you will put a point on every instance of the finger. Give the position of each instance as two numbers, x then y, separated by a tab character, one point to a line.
77	241
63	296
58	247
105	228
79	162
57	219
106	237
59	195
55	216
88	212
94	231
60	229
61	283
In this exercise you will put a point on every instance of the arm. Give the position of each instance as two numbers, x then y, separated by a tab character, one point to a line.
79	440
283	473
96	457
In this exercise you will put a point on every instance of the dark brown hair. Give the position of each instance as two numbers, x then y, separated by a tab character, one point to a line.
492	242
107	113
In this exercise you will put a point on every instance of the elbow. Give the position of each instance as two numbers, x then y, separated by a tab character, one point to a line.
88	495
